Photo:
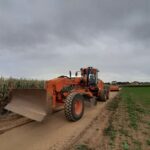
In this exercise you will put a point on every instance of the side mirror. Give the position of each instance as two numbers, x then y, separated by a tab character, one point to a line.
70	74
76	74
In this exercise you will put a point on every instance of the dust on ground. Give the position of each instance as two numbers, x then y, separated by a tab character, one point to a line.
54	133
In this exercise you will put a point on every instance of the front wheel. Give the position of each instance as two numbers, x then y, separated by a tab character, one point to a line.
74	107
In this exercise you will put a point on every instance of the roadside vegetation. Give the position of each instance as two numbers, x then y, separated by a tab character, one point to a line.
8	84
129	124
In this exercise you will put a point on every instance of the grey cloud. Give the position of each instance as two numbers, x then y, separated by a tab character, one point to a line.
31	23
62	35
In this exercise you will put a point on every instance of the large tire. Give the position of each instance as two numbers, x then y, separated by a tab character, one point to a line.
107	94
74	107
102	96
93	101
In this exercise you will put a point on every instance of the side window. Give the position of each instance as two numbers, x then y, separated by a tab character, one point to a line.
92	79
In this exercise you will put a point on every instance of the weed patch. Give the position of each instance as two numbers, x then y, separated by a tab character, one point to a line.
124	132
82	147
110	131
132	112
137	144
125	145
148	142
113	105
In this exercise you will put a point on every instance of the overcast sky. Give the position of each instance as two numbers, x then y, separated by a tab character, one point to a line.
44	39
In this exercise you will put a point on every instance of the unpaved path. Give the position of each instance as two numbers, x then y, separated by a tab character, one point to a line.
55	133
12	120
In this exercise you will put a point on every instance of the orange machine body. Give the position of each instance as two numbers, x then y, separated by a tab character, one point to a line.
59	88
68	93
114	88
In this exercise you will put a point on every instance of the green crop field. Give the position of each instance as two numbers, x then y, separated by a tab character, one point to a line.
129	125
139	95
137	101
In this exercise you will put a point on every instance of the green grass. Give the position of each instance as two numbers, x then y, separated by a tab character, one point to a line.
138	95
125	145
82	147
124	132
114	104
137	145
110	131
148	142
132	112
137	100
134	107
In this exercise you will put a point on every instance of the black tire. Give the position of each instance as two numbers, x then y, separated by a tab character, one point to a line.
107	94
102	96
107	90
93	101
70	109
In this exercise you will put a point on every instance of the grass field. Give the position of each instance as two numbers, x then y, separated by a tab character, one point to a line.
129	125
137	101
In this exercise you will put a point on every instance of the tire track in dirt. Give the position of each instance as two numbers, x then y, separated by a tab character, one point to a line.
54	133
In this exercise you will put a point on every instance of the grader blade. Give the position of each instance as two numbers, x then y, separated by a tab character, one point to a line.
31	103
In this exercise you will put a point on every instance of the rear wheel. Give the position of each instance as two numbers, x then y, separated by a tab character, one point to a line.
107	92
102	96
74	107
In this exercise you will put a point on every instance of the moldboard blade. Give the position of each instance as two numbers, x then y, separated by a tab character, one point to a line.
31	103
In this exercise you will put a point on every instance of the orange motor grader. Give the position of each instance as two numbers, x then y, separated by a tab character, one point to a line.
69	92
114	87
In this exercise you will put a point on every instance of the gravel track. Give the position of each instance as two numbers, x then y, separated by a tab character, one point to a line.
54	133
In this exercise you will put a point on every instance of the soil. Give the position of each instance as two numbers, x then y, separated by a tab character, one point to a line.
112	130
12	120
55	132
93	138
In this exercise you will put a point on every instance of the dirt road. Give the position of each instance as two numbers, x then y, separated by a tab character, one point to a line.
55	133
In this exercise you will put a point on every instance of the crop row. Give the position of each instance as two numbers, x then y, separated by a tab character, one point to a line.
6	85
